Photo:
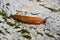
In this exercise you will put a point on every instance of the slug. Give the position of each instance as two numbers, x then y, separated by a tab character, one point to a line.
28	19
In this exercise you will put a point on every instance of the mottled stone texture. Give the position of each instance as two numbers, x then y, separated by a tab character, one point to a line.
11	29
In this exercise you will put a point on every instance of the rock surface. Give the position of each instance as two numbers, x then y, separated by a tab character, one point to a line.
11	29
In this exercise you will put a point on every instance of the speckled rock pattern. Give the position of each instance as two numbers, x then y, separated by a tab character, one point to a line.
11	29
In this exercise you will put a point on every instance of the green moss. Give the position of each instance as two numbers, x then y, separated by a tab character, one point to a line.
26	36
17	22
24	31
5	19
10	24
2	13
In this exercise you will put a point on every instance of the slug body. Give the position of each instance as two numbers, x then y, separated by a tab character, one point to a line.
28	19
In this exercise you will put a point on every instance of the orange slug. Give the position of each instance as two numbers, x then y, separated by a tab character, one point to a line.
28	19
